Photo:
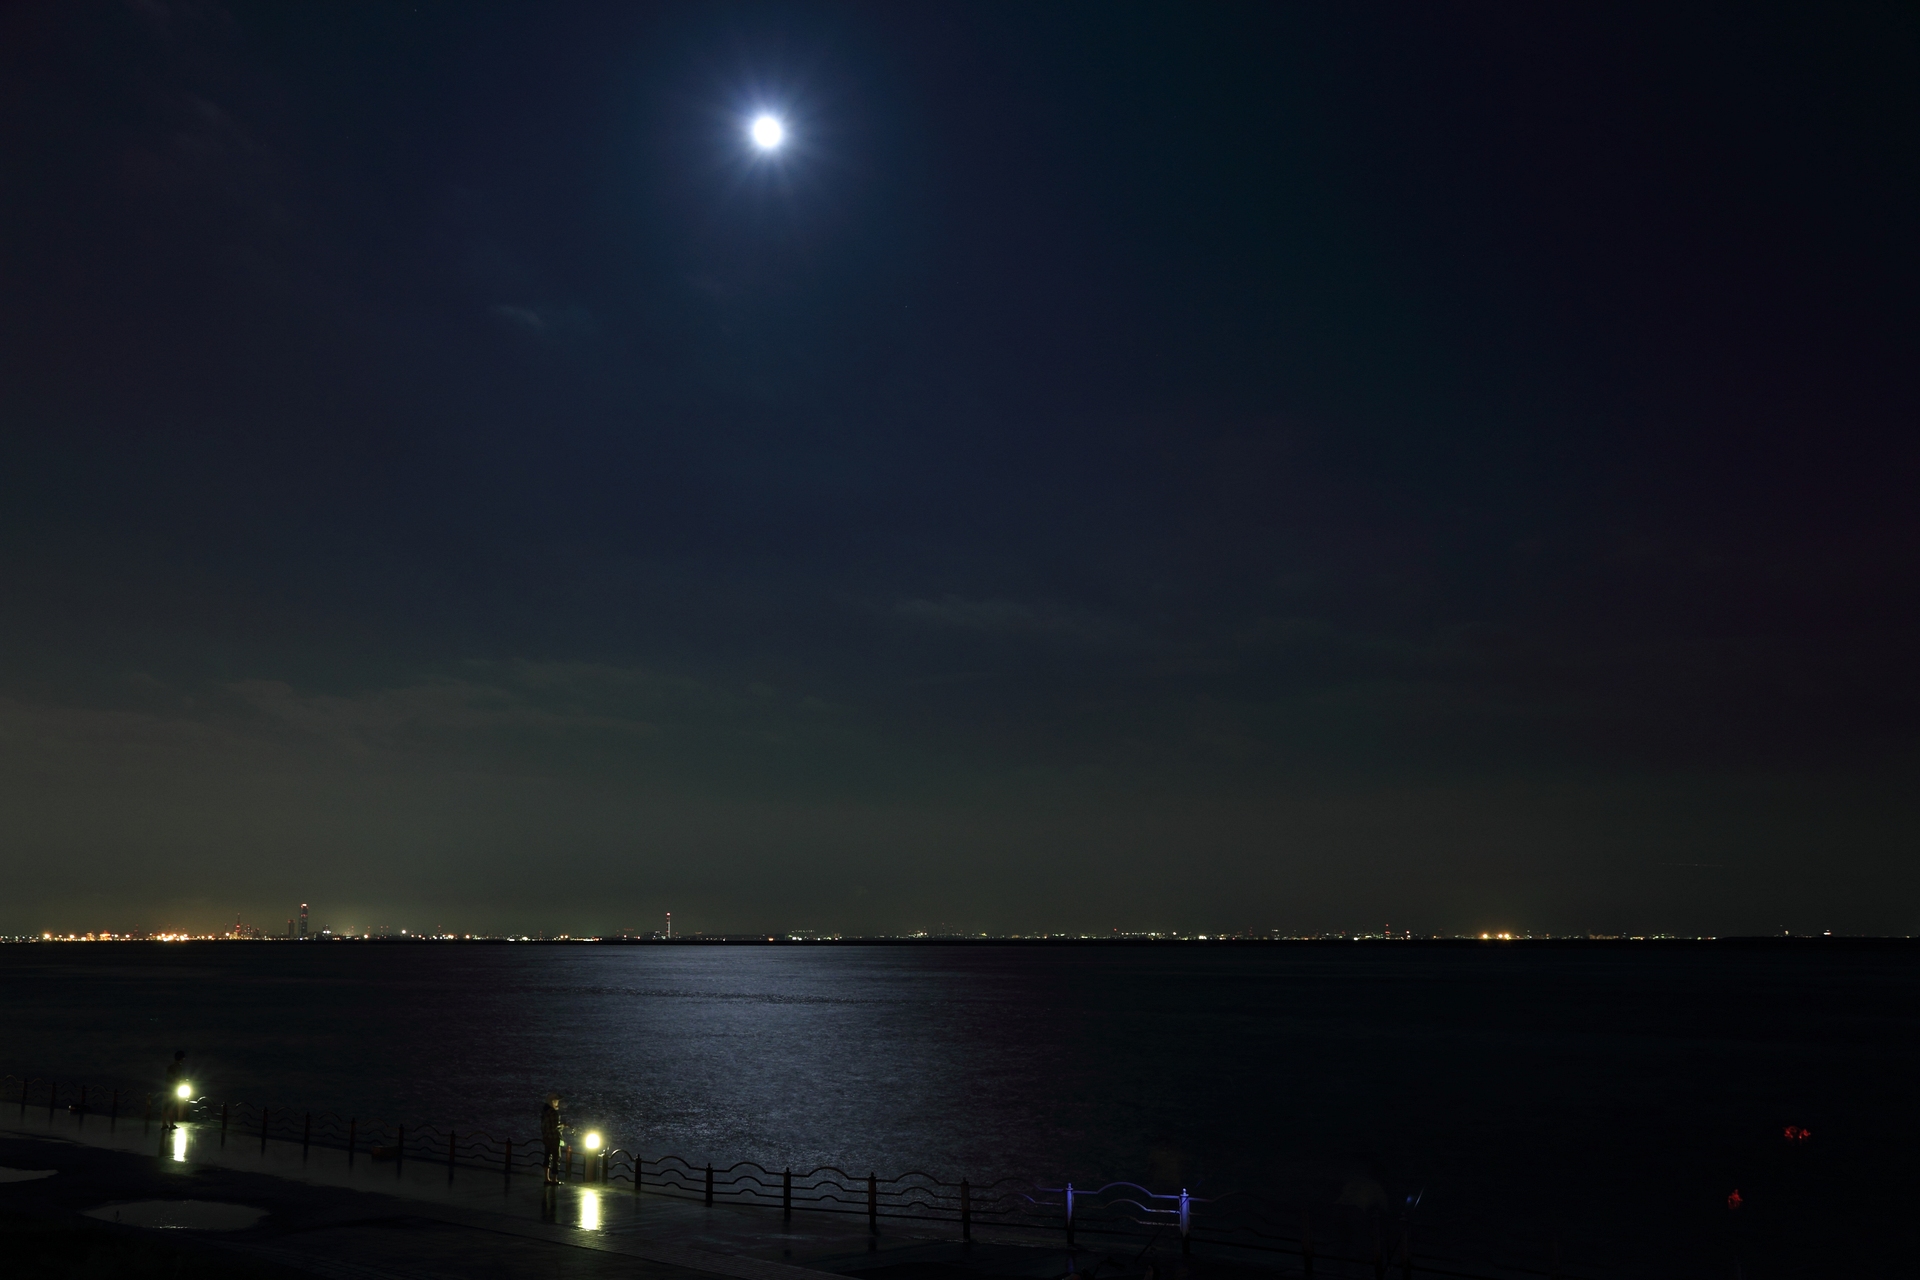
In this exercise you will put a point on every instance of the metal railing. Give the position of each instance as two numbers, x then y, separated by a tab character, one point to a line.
1330	1241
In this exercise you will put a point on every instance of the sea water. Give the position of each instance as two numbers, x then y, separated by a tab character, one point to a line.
1602	1100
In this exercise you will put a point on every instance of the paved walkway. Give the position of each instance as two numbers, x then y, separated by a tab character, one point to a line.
358	1219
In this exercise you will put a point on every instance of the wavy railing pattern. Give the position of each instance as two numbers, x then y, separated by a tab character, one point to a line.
1326	1241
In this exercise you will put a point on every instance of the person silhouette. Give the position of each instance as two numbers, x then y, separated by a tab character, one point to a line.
550	1135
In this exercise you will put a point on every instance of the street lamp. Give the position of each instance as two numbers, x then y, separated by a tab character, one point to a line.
592	1143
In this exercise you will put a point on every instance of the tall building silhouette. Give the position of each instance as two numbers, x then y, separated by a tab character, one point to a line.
303	920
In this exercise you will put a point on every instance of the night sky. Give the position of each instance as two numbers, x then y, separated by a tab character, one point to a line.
1117	466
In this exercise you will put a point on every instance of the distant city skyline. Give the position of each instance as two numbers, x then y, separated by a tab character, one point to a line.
241	931
297	929
807	937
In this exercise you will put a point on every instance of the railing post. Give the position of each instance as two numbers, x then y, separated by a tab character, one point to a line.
1069	1215
266	1114
306	1135
146	1112
353	1132
1406	1253
1380	1256
451	1136
1186	1222
786	1194
639	1173
1306	1244
873	1204
113	1112
53	1091
23	1095
83	1099
709	1184
506	1158
966	1211
223	1124
400	1149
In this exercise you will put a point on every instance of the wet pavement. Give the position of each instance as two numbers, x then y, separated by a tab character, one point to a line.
321	1212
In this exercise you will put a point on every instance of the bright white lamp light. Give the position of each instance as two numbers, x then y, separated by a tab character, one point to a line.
184	1091
593	1142
767	132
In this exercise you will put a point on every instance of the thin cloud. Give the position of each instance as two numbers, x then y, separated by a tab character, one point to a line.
1011	618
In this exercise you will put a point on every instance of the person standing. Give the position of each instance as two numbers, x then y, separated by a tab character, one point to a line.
550	1136
175	1107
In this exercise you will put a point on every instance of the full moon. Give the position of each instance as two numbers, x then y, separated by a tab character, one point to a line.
767	132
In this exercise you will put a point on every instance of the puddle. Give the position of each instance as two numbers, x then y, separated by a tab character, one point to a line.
191	1215
23	1175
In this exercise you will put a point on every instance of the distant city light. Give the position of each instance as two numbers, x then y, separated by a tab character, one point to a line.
767	132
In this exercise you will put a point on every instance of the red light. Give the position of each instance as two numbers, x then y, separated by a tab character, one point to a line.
1734	1201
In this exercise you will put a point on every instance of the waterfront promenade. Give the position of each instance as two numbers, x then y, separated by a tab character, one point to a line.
324	1213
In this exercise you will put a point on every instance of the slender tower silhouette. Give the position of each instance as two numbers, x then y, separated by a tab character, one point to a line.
303	921
669	925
